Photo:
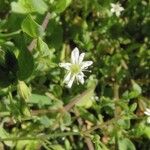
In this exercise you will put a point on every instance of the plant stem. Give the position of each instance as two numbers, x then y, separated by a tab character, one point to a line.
10	34
117	111
116	98
51	136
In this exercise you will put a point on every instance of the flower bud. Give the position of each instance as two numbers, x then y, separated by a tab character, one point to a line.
23	90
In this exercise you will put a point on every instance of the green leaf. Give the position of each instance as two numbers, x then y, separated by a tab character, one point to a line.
29	6
45	121
133	107
44	57
30	27
43	48
66	119
39	99
4	134
86	100
26	64
61	5
124	123
27	144
136	90
136	87
56	35
98	144
125	144
56	147
86	115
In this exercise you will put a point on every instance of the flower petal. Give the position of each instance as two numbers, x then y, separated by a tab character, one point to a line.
147	110
118	13
147	113
65	65
86	64
112	10
80	78
121	9
69	85
148	120
67	78
75	55
112	5
81	57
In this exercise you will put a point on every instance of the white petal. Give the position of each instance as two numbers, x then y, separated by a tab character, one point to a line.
121	9
65	65
148	120
86	64
112	5
112	10
147	113
147	110
81	57
118	13
69	85
80	78
67	78
75	56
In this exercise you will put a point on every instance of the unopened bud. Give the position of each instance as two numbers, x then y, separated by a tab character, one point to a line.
23	90
25	110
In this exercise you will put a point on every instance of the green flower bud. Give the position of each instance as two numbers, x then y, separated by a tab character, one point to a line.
23	90
25	110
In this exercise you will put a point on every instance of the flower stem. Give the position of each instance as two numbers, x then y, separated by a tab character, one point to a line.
10	34
43	137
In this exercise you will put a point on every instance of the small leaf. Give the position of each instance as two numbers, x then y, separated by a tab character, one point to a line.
29	6
26	64
39	99
4	134
133	107
66	119
45	121
87	115
136	87
30	27
126	144
56	35
98	144
86	100
56	147
61	5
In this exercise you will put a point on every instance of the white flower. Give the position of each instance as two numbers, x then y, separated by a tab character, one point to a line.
75	68
116	8
147	112
148	120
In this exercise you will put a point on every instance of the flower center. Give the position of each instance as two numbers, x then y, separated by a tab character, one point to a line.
75	68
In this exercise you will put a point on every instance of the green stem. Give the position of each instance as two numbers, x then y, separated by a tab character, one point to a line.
45	146
10	34
51	136
10	97
4	114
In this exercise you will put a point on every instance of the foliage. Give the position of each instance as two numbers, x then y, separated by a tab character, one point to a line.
37	111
